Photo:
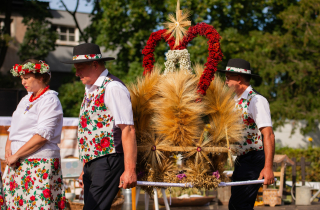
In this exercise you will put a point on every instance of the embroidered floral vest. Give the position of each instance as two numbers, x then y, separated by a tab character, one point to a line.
96	130
252	135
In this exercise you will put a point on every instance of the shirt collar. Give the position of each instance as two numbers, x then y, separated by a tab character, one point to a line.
99	81
245	94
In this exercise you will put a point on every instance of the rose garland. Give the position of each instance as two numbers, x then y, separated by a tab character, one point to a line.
202	29
29	67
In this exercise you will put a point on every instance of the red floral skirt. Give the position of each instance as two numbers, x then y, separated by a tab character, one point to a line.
35	184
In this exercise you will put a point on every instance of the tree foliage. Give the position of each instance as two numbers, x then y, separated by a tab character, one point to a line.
71	95
287	60
278	37
40	37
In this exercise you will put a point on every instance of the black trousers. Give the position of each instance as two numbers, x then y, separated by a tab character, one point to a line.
247	167
101	180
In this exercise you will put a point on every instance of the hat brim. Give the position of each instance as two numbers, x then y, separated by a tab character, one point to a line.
234	72
87	60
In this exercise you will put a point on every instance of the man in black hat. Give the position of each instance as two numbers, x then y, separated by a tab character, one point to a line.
255	154
106	134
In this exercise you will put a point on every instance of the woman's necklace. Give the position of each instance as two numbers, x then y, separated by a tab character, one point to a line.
31	99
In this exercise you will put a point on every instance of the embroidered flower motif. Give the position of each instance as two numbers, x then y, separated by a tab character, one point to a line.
105	142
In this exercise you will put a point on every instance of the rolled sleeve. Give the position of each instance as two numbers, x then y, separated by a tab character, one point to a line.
117	99
260	111
50	114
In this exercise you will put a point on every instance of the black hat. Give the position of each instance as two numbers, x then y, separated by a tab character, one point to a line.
85	53
239	66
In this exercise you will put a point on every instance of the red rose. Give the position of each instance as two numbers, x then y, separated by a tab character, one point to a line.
105	142
249	141
32	198
61	204
46	193
81	141
92	55
28	172
59	180
250	120
20	202
37	66
1	200
95	153
12	186
26	185
101	100
19	68
56	164
45	176
99	125
97	103
83	122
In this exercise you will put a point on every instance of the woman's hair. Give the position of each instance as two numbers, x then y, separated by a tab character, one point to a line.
45	77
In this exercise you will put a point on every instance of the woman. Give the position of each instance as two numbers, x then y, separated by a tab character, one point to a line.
34	180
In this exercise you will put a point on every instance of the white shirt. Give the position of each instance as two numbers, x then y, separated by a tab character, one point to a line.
116	98
45	118
258	109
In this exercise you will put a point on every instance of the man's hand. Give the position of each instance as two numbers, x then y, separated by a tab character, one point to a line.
80	180
267	174
12	160
268	145
128	179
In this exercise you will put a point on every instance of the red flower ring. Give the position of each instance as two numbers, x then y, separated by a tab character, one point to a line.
202	29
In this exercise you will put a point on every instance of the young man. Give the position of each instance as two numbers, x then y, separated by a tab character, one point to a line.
106	134
255	157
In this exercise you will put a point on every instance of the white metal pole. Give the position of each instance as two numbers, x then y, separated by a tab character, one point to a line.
146	201
156	203
137	195
222	184
165	200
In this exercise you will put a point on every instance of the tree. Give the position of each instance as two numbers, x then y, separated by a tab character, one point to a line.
278	37
288	61
40	37
126	25
71	95
83	36
5	32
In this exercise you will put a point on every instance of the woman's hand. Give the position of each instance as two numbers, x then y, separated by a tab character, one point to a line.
12	160
8	153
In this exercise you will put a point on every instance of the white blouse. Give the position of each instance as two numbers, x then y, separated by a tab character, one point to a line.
44	117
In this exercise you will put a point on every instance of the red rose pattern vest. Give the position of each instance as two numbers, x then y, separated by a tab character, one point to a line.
97	134
252	135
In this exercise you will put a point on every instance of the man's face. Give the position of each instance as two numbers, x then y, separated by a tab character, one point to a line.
232	80
85	72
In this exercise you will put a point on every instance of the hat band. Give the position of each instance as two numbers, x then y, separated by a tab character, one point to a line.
240	70
89	56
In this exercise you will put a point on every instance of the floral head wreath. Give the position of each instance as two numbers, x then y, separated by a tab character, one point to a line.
178	38
30	67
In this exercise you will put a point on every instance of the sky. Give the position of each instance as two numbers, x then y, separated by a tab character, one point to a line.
71	4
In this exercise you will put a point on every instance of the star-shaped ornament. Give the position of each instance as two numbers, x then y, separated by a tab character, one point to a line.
176	26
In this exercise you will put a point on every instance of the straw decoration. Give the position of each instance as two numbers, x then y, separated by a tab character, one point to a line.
176	26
